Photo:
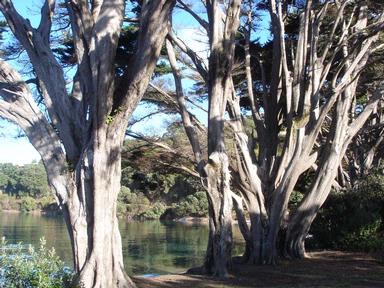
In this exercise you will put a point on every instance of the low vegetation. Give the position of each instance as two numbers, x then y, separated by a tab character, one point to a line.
354	219
32	267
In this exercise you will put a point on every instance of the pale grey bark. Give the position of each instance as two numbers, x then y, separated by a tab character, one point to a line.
299	84
302	83
341	135
343	130
81	144
222	29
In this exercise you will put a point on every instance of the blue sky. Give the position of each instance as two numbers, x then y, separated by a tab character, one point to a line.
14	149
19	151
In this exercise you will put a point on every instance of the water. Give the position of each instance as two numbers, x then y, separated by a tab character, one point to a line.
149	248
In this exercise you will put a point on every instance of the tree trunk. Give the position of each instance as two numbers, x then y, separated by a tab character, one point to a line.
81	138
299	225
278	209
219	250
99	232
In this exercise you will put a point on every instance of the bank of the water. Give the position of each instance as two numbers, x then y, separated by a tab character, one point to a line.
33	212
192	220
129	218
321	269
149	247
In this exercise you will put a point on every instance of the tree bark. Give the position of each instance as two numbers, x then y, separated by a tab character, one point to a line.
341	135
80	141
219	250
103	266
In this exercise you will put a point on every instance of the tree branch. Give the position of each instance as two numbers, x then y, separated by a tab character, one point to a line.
201	21
46	20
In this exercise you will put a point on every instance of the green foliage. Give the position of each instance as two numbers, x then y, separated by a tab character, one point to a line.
132	204
27	180
195	205
28	204
37	268
353	220
295	199
367	238
154	212
9	203
45	202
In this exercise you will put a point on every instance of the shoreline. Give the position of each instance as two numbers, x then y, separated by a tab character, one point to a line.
188	220
33	212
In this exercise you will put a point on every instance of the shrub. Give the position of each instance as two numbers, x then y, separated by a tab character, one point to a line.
46	202
9	203
37	268
154	212
121	209
28	204
195	205
128	197
133	204
4	201
353	220
366	238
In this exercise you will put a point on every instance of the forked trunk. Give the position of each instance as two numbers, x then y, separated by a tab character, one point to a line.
300	223
94	226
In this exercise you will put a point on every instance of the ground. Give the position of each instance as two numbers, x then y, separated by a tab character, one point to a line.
320	269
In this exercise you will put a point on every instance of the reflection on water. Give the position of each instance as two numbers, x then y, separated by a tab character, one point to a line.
148	247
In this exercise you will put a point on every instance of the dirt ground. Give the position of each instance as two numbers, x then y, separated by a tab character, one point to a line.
321	269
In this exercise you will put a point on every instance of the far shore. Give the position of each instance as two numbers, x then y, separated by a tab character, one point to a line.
184	220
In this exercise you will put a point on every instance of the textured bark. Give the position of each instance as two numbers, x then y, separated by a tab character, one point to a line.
89	124
299	83
221	40
341	135
218	256
308	82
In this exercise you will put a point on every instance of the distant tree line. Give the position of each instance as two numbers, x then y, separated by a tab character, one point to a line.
26	180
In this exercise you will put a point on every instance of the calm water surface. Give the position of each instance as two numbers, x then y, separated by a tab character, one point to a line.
148	247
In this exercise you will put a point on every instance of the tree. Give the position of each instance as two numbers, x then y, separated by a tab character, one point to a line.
297	101
310	83
222	25
81	137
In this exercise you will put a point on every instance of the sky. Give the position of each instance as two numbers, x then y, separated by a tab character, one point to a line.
13	148
17	150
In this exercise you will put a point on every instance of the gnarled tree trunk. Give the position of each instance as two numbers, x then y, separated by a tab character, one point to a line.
80	142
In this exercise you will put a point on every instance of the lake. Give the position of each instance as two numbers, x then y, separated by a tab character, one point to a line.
148	247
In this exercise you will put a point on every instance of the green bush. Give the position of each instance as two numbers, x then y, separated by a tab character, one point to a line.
133	204
37	268
154	212
9	202
195	205
4	201
28	204
352	220
366	238
128	197
121	209
45	202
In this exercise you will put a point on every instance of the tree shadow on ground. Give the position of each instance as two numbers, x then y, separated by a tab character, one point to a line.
321	269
